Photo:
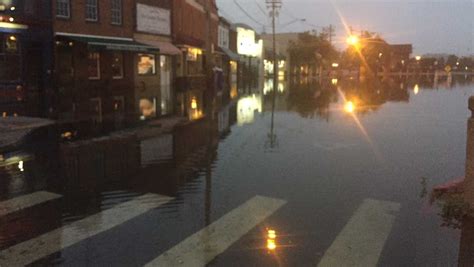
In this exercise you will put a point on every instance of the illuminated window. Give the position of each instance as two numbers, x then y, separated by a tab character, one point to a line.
94	66
63	9
117	65
92	10
146	64
116	12
147	108
10	58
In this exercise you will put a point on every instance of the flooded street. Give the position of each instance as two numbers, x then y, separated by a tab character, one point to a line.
344	171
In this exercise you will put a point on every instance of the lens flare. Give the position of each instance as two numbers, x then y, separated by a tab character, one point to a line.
349	107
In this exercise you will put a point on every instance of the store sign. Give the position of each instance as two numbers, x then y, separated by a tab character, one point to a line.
152	19
247	44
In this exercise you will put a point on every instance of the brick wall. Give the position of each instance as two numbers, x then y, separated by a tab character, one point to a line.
78	24
189	20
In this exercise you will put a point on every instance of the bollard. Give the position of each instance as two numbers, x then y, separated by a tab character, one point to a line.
469	179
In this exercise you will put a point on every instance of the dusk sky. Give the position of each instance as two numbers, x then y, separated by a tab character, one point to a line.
445	26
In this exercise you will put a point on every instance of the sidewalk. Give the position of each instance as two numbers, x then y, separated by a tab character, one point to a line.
153	128
13	130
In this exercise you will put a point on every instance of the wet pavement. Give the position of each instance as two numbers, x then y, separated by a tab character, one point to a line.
342	178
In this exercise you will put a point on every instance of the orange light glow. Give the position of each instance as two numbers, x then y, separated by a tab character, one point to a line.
349	107
194	103
353	40
271	234
271	244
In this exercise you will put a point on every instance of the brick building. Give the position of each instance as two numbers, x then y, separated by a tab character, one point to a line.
25	57
189	34
97	61
153	27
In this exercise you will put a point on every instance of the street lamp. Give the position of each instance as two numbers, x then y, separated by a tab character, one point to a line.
353	40
418	58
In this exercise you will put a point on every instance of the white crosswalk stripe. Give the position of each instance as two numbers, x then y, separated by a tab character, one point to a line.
203	246
46	244
26	201
361	241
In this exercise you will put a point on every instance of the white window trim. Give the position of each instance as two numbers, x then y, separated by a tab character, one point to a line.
121	15
68	10
96	12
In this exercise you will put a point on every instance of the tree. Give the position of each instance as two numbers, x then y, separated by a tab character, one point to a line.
312	50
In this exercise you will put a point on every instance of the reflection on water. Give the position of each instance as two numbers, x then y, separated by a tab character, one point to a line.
212	164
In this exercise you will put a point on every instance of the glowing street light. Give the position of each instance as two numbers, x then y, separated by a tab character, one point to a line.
353	40
349	107
418	58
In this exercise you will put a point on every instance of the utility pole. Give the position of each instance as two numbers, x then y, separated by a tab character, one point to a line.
331	31
274	5
209	90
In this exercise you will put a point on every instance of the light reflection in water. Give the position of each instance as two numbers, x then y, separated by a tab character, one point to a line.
271	239
416	89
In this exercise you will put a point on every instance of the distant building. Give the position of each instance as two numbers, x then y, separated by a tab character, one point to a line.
283	41
228	62
250	49
400	56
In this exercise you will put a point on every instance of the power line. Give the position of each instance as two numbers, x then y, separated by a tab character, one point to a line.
247	14
261	8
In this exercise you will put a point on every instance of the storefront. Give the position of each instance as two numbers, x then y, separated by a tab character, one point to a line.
96	79
24	61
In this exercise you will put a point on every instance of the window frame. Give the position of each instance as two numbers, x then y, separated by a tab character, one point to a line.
67	4
113	8
137	67
98	65
121	65
88	6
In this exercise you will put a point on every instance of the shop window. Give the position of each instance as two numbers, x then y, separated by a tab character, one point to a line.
10	58
92	10
63	9
147	108
94	66
117	65
146	64
116	12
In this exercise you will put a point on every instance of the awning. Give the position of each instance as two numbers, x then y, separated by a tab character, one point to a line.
230	53
113	43
166	48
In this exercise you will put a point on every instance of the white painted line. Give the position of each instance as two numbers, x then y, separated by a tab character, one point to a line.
26	201
68	235
361	241
203	246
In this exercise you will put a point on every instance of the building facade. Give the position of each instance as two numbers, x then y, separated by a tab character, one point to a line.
25	57
97	62
153	27
189	31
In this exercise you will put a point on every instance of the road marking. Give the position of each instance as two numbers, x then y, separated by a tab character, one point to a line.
68	235
26	201
361	241
203	246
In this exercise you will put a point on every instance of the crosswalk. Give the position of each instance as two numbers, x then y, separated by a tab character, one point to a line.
360	242
202	247
26	201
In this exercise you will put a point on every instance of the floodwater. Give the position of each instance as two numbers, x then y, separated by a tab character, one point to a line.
341	176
